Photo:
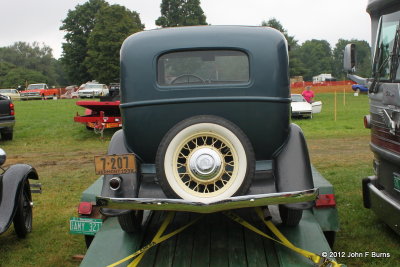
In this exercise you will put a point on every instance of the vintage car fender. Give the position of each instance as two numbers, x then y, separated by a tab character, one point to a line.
11	186
292	172
292	167
129	182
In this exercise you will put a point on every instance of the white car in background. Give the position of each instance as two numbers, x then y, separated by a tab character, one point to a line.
11	93
92	89
301	108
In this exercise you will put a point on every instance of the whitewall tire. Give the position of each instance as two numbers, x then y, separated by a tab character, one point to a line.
205	159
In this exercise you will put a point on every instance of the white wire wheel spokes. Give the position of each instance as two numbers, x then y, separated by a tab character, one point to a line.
206	165
206	162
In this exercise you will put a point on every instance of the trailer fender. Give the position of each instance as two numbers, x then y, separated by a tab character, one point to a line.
292	168
11	187
129	183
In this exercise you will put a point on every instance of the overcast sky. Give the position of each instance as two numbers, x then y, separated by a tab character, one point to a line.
40	20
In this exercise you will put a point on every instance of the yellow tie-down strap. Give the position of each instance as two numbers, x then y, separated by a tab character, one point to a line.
317	259
159	237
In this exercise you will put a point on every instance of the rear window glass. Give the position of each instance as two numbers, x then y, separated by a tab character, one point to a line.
203	67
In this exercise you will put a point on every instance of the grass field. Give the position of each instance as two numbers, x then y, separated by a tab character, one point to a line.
62	151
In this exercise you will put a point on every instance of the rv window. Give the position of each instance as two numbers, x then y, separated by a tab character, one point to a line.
384	47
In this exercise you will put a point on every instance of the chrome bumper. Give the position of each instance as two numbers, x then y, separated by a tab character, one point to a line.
30	97
384	206
301	113
7	123
227	204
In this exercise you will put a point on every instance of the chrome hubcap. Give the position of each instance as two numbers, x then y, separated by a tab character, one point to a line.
205	163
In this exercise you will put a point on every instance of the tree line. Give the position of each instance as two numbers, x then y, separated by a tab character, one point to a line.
95	30
23	62
314	57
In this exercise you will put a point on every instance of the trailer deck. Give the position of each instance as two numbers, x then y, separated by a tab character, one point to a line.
214	240
100	115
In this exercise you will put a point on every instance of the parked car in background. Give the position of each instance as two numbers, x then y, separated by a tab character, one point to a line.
70	92
12	93
92	89
7	119
114	89
359	87
16	197
75	94
300	107
39	91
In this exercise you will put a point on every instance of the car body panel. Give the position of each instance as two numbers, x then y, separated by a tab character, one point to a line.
11	186
142	187
258	107
89	90
70	92
384	205
39	91
7	117
359	87
12	93
300	107
144	101
316	107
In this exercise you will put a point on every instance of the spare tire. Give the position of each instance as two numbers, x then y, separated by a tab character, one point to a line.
205	159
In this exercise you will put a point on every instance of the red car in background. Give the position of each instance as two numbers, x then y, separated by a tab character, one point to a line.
39	91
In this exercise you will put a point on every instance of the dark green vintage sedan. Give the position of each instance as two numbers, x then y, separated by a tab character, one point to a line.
206	126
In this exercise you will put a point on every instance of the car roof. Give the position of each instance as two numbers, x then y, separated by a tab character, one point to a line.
261	44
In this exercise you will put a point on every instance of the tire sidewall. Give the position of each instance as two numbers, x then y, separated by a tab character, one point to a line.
23	222
205	124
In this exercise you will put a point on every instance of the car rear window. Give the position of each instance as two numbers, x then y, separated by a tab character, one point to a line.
203	67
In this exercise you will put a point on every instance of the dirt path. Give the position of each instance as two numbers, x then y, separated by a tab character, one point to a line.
339	151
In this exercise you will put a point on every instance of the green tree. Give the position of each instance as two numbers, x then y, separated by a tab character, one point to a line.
38	58
316	55
78	25
11	76
62	77
274	23
5	68
296	67
113	25
181	13
363	67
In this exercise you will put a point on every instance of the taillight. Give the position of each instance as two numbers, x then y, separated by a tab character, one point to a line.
12	111
85	208
367	121
325	201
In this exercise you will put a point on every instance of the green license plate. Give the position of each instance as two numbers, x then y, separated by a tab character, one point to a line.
84	226
396	181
